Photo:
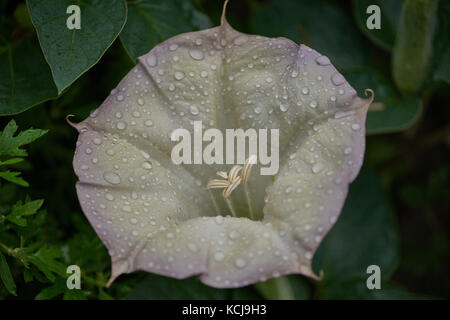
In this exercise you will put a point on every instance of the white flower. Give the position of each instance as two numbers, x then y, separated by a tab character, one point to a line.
159	217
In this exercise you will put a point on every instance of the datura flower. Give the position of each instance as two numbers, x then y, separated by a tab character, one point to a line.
243	227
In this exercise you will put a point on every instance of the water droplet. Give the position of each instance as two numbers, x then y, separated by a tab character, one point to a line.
219	256
258	109
148	123
294	74
121	125
147	165
119	115
109	197
111	177
337	79
240	263
305	90
347	150
233	235
97	141
323	61
313	104
219	219
284	107
151	60
204	74
173	47
333	98
196	54
179	75
194	110
269	79
88	150
317	167
119	97
193	247
140	101
356	126
136	114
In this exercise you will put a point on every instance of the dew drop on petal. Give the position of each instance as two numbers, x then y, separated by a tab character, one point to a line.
196	54
151	60
111	177
323	61
179	75
194	110
317	167
240	263
337	79
219	256
121	125
356	126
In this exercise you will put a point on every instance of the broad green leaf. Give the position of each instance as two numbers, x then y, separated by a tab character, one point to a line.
364	235
442	44
13	176
310	22
10	144
388	113
6	276
25	78
70	53
150	22
389	14
46	260
74	294
356	288
413	50
284	288
161	288
20	210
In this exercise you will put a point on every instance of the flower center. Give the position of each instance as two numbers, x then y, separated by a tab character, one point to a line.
229	182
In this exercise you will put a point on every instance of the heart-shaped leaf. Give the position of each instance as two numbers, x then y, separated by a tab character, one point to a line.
151	22
71	52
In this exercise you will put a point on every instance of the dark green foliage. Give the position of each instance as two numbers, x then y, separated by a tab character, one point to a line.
396	213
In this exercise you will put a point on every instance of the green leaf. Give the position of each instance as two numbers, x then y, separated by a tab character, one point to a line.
74	294
150	22
20	210
11	161
45	259
284	288
25	78
389	15
388	112
160	288
9	145
311	23
413	50
53	291
70	53
365	234
6	276
356	288
13	176
441	44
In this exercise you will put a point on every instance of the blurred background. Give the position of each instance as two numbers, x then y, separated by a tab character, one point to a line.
397	212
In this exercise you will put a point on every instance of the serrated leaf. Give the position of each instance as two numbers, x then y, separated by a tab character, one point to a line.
20	210
11	161
45	259
52	291
10	144
389	15
367	217
388	113
6	275
25	78
151	22
70	53
13	176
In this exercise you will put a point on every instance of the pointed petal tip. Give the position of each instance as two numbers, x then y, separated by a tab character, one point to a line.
74	125
372	96
223	19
